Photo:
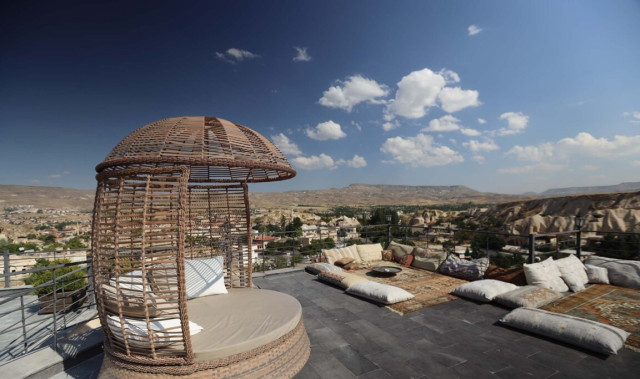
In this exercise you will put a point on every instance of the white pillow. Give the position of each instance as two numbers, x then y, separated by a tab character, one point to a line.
545	274
483	290
163	332
379	292
581	332
597	275
573	272
370	252
204	277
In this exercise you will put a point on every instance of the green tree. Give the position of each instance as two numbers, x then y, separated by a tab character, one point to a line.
74	281
74	243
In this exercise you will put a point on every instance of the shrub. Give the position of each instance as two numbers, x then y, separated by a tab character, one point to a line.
70	283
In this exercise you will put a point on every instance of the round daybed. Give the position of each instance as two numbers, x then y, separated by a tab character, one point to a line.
171	256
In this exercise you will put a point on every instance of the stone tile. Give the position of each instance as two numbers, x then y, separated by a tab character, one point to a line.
353	360
396	367
524	365
362	344
308	372
326	337
377	374
328	366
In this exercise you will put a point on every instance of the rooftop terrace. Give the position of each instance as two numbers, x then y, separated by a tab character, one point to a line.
351	338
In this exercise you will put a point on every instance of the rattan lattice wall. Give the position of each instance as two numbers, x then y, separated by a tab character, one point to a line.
172	189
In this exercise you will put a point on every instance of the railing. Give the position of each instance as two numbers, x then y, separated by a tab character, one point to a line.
36	316
503	247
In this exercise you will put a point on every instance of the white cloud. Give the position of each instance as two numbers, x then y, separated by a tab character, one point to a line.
635	163
285	144
356	162
416	93
326	131
587	145
302	55
355	90
314	162
356	125
445	123
478	158
470	132
516	121
590	167
420	150
59	175
477	146
482	121
635	116
390	125
455	99
538	153
474	29
420	90
532	168
234	55
584	144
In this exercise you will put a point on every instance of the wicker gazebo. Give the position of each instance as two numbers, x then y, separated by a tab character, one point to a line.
172	196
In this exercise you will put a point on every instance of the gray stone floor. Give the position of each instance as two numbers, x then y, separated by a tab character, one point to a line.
353	338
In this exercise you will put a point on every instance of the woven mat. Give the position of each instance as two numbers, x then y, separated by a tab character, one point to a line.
429	288
617	306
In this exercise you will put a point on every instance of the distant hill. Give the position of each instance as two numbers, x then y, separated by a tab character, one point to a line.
622	187
354	194
46	197
379	194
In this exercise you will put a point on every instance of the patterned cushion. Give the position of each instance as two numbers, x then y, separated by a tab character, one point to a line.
427	260
343	261
483	290
599	275
370	252
334	278
399	250
379	292
573	272
584	333
387	255
469	270
545	274
406	260
351	266
527	296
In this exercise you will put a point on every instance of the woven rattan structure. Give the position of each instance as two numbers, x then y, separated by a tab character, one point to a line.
172	190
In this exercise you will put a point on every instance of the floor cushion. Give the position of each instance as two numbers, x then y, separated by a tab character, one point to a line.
463	269
427	260
573	272
399	250
240	321
597	275
622	272
316	268
370	252
527	296
382	293
577	331
483	290
545	274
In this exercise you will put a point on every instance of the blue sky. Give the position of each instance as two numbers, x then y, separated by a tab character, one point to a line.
505	97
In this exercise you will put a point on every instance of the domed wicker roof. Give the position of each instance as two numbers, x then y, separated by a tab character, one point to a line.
216	150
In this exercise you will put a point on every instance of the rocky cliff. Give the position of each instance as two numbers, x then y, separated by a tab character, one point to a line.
604	212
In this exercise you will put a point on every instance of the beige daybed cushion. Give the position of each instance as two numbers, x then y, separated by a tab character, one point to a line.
240	321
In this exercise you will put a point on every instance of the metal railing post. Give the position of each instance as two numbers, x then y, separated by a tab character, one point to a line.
55	319
579	243
7	269
532	241
24	324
